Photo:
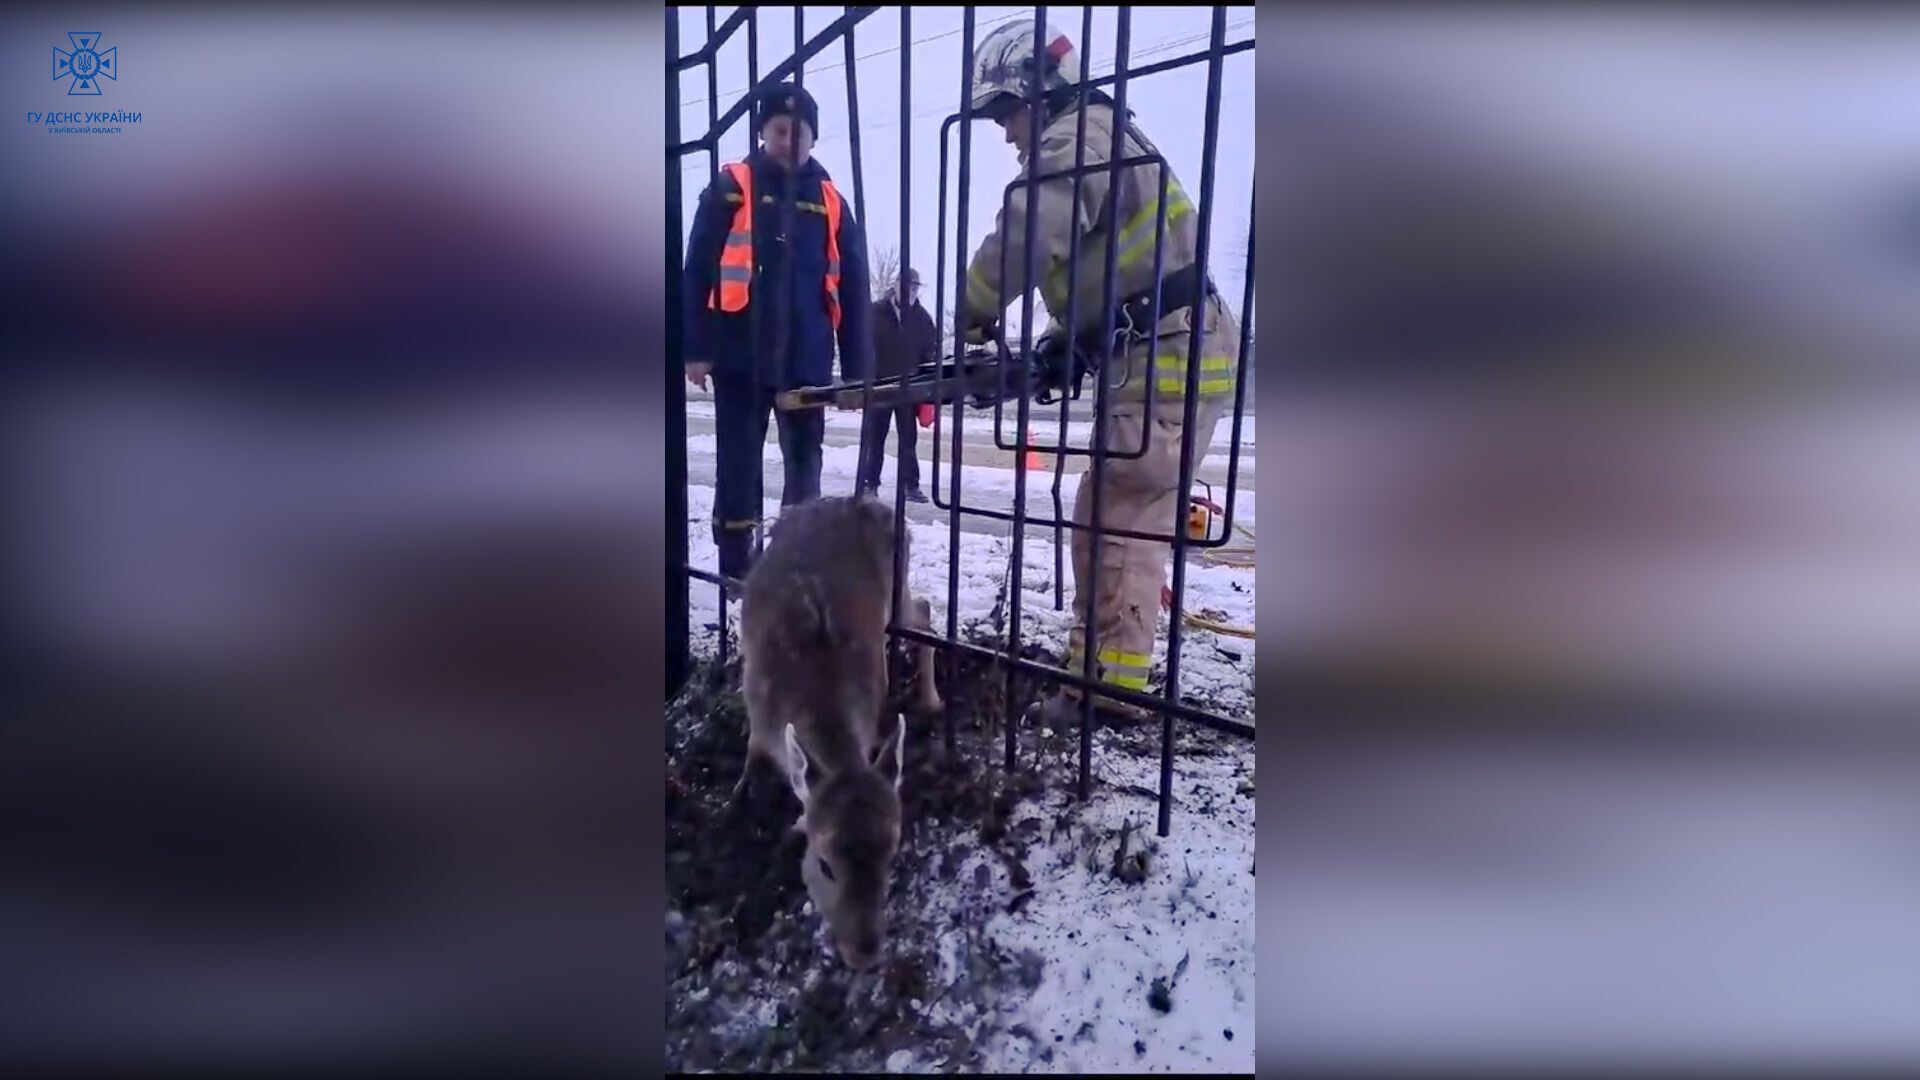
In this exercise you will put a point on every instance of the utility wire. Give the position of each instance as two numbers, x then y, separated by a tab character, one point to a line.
1098	70
878	52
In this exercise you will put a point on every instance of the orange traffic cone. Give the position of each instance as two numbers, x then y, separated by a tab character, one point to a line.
1035	461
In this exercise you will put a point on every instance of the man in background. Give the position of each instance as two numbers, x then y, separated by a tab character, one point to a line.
904	338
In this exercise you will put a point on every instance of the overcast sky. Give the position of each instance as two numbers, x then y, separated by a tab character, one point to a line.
1170	108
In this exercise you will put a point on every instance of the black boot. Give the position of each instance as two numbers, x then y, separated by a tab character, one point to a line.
736	554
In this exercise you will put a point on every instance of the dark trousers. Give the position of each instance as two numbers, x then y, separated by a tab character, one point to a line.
740	410
873	443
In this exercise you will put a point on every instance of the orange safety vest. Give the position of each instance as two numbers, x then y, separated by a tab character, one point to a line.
736	257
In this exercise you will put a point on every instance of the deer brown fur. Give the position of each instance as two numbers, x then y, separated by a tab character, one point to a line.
813	650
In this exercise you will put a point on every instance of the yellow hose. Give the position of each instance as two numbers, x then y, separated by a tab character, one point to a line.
1237	558
1228	629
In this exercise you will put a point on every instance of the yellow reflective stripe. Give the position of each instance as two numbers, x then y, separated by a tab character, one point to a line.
1056	283
802	204
1123	669
1170	375
980	292
1207	386
1136	240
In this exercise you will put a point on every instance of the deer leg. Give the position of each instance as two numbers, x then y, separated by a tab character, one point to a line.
921	615
744	785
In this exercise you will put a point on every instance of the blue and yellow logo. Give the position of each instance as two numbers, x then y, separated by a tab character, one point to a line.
85	64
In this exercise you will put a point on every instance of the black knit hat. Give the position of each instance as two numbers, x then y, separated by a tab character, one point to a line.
787	99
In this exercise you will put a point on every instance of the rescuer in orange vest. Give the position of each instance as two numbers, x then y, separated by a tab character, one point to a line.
776	287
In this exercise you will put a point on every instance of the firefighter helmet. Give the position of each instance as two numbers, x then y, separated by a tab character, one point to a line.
1003	64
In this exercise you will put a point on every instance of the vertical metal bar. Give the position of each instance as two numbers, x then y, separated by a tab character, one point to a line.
758	361
713	174
853	135
940	292
1240	377
860	214
960	278
906	255
789	210
1072	323
1195	349
1036	106
753	70
676	398
713	386
1090	633
713	121
713	103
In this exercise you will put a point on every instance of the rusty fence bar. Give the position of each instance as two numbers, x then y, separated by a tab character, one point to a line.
1166	702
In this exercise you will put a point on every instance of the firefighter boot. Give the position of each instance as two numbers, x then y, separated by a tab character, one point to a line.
1060	711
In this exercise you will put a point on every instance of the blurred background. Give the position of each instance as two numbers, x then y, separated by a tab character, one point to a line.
330	424
1591	532
1594	542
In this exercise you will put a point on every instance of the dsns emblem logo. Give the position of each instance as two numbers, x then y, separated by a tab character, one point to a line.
85	64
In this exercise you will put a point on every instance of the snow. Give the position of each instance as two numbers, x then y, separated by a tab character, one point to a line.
1102	943
1102	979
1043	425
1219	666
1099	942
986	486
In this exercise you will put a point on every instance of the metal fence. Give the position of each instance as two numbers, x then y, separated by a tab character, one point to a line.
1167	703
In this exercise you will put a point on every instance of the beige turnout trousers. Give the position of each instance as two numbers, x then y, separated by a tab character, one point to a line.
1143	494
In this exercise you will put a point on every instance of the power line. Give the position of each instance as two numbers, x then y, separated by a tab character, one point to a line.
1154	50
868	56
1095	71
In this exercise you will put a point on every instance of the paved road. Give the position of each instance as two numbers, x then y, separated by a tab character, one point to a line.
980	454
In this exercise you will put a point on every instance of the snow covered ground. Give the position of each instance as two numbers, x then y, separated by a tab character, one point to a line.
1217	668
1043	421
991	486
1149	972
1189	924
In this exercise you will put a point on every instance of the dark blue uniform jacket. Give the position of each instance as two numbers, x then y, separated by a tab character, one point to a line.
796	340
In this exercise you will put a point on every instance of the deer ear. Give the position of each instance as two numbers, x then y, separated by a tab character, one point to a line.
890	759
796	766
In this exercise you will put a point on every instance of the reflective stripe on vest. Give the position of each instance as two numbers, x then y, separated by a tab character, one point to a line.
736	256
831	198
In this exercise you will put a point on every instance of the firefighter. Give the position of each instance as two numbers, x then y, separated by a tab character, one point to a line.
751	266
1141	493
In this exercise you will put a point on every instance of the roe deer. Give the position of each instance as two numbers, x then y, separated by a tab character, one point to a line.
813	655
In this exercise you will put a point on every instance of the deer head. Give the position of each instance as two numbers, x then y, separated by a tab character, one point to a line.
851	820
